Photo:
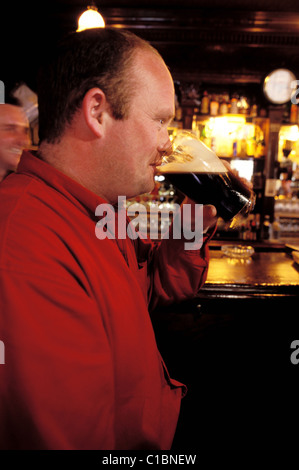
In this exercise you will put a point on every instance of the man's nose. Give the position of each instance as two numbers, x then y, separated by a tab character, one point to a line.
165	142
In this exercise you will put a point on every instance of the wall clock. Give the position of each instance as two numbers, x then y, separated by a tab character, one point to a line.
279	86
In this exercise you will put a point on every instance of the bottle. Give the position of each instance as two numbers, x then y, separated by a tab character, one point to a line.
194	124
253	111
235	149
242	233
178	110
205	103
266	227
253	229
223	108
243	150
234	105
257	226
275	229
294	114
172	193
243	105
214	106
178	113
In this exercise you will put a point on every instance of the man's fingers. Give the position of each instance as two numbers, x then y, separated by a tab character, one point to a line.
209	216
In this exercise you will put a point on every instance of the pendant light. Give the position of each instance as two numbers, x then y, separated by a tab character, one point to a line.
90	18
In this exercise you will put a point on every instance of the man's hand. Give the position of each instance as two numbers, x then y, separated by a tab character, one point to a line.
236	173
209	215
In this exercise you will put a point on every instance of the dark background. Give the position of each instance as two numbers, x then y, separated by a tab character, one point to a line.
234	357
207	41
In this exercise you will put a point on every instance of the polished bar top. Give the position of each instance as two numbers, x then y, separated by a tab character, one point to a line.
269	271
262	268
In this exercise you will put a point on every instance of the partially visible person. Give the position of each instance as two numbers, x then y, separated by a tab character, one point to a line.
14	135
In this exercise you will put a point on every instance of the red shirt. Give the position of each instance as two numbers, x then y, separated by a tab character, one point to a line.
82	369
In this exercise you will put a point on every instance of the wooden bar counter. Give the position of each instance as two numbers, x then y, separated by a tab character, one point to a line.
231	346
269	272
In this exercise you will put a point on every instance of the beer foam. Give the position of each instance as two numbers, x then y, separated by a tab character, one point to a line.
192	156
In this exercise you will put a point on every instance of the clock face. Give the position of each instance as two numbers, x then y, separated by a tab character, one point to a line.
279	86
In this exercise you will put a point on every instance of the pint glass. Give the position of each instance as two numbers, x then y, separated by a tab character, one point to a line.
197	171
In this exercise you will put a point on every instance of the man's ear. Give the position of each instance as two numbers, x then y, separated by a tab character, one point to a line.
94	106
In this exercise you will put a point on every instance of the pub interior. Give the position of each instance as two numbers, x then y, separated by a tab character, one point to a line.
235	66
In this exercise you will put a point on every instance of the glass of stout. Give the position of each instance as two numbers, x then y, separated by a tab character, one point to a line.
197	171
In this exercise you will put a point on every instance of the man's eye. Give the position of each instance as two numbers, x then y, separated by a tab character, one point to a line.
161	121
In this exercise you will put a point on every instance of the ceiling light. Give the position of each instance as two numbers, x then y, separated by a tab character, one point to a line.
90	18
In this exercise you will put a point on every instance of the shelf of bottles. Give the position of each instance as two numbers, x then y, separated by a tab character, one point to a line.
286	205
230	135
288	162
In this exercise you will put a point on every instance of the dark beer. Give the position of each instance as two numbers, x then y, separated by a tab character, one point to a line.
225	191
197	171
